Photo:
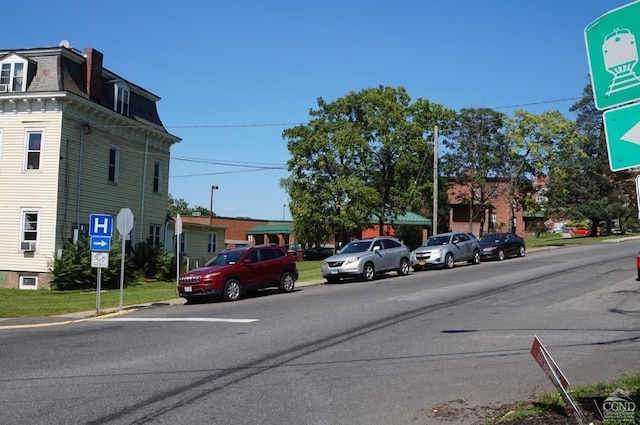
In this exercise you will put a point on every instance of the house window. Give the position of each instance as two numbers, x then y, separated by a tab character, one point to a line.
493	219
30	219
28	282
114	164
12	76
33	149
122	98
183	242
157	176
154	234
213	241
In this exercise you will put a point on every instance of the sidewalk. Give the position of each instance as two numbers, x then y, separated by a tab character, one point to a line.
81	316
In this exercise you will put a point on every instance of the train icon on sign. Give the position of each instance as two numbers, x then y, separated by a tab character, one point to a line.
620	53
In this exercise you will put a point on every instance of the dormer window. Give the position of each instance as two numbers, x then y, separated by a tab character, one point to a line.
12	74
122	98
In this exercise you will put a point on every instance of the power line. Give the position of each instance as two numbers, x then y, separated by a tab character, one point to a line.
545	102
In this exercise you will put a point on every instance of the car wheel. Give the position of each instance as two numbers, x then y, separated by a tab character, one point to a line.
521	251
448	261
476	257
500	255
287	282
404	267
232	290
369	272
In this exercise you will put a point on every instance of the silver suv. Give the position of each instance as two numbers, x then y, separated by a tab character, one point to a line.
445	249
367	257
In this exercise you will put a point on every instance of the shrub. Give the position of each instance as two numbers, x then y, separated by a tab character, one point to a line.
151	262
73	269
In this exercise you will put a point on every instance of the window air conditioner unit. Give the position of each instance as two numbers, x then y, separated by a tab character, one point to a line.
28	246
4	88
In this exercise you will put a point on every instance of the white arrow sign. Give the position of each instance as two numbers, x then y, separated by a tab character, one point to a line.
633	135
101	243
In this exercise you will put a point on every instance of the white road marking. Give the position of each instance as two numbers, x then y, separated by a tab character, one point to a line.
179	319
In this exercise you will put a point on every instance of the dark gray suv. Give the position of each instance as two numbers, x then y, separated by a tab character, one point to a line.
445	249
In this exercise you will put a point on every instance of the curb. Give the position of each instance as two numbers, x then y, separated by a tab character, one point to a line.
83	316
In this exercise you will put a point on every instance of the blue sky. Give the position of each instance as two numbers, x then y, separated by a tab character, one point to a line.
232	75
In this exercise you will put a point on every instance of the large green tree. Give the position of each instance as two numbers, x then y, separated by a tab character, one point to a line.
582	185
475	154
365	155
534	142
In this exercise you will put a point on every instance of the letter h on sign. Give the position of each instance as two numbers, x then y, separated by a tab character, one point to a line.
101	225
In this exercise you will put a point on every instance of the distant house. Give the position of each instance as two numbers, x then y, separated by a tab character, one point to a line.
75	139
494	213
203	237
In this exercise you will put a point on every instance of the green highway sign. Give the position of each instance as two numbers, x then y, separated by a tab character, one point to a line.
612	52
622	127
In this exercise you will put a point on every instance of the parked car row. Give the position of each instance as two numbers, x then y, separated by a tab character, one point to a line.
235	272
368	257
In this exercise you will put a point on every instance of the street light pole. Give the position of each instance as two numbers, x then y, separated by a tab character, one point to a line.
283	208
211	205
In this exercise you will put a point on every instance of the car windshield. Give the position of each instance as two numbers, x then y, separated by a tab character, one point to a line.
490	239
225	258
356	246
436	240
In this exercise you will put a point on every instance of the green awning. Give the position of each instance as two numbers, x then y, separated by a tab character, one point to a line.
409	218
271	229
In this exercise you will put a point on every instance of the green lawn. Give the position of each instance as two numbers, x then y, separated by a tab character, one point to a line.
21	303
556	239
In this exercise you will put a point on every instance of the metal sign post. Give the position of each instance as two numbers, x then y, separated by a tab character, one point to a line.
178	233
124	224
100	229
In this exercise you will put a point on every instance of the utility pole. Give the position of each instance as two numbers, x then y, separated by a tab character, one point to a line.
434	218
213	187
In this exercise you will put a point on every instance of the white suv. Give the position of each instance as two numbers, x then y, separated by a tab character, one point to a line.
367	257
445	249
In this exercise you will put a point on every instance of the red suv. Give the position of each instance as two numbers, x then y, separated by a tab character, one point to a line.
236	271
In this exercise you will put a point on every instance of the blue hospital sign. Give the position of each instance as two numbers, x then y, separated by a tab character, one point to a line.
101	225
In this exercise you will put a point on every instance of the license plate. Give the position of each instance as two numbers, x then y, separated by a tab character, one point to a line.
188	289
422	263
334	271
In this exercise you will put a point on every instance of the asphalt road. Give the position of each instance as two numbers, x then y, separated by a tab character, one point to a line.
427	348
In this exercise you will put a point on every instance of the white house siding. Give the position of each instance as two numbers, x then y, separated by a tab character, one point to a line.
69	99
138	151
196	251
21	189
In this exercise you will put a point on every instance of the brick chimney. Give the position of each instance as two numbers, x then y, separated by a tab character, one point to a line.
94	73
